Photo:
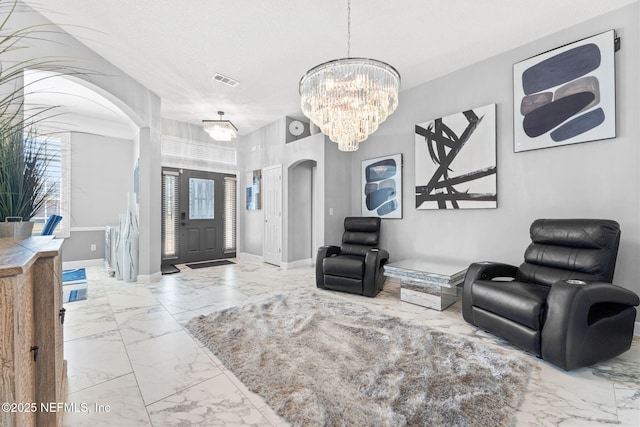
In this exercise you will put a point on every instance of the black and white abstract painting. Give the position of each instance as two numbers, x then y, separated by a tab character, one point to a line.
382	187
565	96
456	161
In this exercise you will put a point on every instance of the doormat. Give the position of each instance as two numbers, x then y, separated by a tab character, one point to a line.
210	264
169	269
74	292
73	276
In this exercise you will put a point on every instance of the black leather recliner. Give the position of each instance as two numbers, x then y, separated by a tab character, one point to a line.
357	265
559	304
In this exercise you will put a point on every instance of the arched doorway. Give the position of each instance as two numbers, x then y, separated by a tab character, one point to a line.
302	212
100	150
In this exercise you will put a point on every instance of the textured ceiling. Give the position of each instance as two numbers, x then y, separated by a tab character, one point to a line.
174	47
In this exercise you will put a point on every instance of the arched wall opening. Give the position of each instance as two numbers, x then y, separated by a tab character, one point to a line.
140	104
106	141
302	212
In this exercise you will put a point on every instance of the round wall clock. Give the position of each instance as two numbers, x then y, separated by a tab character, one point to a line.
296	127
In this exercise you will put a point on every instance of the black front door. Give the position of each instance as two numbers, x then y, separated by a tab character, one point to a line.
201	216
198	216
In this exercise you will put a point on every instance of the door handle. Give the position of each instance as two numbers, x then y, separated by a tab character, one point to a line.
183	223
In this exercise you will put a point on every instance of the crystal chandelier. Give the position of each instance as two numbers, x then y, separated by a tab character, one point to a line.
348	98
220	130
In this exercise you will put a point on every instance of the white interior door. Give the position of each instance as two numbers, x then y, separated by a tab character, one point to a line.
272	205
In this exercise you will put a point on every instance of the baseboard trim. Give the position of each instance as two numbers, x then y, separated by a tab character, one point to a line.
252	257
149	278
73	229
296	264
83	263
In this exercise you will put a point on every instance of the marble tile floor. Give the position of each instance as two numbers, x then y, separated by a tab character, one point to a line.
131	363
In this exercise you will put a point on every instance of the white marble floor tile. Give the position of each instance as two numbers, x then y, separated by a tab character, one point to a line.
95	359
168	364
84	318
130	297
188	303
215	402
254	398
145	323
184	317
116	402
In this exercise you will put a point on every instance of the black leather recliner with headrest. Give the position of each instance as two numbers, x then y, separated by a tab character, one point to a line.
559	304
357	265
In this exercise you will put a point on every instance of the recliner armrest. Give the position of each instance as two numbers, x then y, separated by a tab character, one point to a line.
374	261
489	270
572	309
482	271
328	250
324	252
380	254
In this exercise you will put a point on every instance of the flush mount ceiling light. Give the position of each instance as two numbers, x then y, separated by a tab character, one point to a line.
220	130
348	98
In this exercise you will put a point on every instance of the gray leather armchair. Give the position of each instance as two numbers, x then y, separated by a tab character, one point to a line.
559	304
357	265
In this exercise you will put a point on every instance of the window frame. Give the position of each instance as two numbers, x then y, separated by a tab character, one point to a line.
63	230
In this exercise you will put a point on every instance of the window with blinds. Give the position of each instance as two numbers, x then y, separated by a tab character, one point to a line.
56	182
170	208
229	214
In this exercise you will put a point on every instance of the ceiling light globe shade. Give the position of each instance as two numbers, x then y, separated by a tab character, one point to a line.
348	98
220	130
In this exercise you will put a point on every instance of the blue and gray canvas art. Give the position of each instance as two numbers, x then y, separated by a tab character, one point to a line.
559	112
380	187
565	96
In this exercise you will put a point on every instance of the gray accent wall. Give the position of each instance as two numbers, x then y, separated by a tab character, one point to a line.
338	200
300	195
101	176
598	179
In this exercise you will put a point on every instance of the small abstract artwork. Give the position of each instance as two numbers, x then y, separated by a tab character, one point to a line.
253	193
456	161
565	96
382	187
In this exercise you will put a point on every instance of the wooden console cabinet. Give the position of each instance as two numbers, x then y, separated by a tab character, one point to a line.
32	365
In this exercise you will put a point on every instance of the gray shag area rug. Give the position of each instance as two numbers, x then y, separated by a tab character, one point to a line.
320	361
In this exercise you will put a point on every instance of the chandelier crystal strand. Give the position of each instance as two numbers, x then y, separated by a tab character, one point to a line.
349	98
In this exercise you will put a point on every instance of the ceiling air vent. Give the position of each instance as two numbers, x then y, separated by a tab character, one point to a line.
224	79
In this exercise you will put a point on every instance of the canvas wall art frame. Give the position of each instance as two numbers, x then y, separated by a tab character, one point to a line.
565	96
253	190
455	161
382	187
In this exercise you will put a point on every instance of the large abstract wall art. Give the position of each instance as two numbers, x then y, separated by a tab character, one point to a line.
565	96
382	187
456	161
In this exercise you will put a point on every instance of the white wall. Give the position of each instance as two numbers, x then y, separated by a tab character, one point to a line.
597	179
263	148
257	150
188	146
